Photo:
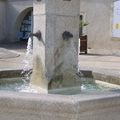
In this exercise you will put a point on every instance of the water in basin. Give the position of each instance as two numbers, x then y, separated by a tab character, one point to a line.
16	84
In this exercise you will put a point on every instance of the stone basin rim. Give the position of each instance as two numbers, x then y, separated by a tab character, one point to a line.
92	100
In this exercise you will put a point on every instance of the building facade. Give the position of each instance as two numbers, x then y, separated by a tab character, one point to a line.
16	23
100	16
12	17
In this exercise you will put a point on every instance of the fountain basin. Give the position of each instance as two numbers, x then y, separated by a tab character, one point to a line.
103	105
26	106
11	81
88	86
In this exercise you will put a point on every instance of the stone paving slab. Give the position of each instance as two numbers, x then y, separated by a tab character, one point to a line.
100	63
4	54
12	63
12	56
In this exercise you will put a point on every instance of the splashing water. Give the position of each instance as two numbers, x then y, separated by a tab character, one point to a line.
29	47
27	61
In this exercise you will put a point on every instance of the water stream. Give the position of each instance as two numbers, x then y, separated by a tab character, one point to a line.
27	61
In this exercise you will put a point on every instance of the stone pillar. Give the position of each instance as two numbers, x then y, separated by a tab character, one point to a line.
58	21
38	78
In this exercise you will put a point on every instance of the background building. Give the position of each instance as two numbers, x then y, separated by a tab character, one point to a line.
100	16
16	22
15	19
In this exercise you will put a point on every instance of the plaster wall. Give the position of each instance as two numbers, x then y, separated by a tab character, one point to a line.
2	21
99	15
14	10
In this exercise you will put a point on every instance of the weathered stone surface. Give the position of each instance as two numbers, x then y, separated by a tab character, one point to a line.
10	73
59	57
22	106
63	7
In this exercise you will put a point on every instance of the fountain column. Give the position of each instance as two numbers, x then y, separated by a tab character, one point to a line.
55	55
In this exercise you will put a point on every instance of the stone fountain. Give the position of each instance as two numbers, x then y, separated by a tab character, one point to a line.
55	56
55	46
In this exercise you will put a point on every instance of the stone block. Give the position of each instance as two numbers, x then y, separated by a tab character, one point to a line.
59	56
22	106
63	7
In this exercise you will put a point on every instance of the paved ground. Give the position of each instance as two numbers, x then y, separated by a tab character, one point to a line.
12	57
100	63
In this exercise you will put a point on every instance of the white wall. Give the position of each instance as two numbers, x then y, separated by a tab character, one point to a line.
2	21
99	14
